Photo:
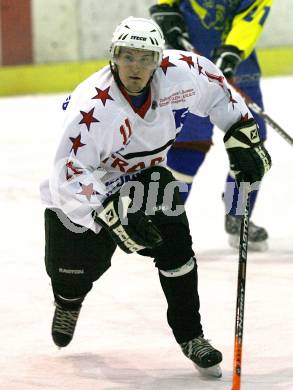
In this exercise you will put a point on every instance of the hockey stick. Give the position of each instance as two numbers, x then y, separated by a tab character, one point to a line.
250	103
258	110
239	319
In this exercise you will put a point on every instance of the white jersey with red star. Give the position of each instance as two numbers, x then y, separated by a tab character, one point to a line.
106	141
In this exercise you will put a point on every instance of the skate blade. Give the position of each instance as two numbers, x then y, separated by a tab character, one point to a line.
253	246
210	372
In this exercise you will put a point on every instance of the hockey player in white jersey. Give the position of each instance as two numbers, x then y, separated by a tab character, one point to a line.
110	185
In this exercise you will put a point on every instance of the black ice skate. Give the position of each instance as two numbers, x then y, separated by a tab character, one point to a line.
65	319
206	358
257	236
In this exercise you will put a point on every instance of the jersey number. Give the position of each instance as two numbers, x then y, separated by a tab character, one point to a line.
125	131
249	17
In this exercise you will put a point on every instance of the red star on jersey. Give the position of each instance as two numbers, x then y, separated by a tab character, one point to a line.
103	94
87	190
231	98
88	118
165	64
199	67
215	78
76	143
188	60
244	118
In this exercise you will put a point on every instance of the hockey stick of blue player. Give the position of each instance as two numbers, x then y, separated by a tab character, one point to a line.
239	318
258	110
250	103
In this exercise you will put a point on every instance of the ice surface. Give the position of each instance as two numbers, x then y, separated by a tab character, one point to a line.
122	339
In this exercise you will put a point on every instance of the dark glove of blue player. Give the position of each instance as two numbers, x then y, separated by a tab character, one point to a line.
131	229
249	160
227	58
172	24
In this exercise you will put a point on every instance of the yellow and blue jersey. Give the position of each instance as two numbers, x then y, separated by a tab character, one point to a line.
212	23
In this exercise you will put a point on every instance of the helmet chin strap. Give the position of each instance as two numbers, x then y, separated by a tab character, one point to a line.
115	74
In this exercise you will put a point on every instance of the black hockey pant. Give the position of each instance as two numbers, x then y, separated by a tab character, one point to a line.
75	260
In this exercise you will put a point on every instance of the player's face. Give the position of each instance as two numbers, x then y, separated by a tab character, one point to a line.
135	68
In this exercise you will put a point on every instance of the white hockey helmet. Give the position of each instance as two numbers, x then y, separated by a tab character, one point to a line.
138	33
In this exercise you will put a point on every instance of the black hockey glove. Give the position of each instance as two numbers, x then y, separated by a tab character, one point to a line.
172	24
249	160
131	230
227	58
